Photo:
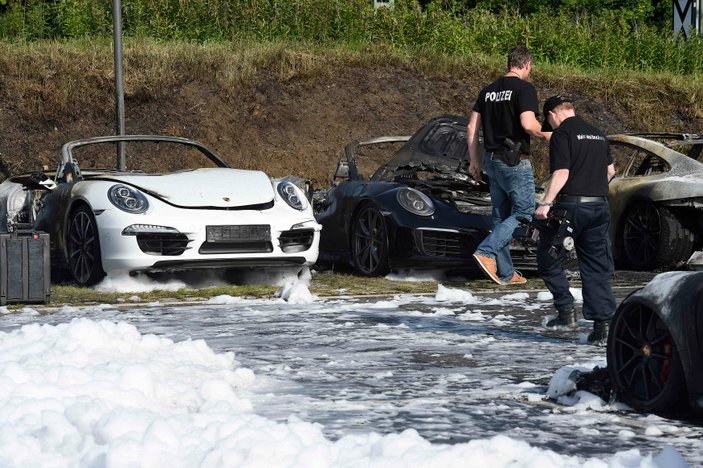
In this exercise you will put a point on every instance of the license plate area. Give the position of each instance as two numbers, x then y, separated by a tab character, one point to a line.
238	233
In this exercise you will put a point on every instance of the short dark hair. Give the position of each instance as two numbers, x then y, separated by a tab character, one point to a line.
519	57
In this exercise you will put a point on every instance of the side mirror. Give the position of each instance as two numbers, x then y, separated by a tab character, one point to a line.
68	172
309	190
341	173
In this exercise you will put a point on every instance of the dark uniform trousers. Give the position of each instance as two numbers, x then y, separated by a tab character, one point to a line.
590	223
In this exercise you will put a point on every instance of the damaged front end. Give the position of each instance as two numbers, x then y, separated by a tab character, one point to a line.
24	202
453	185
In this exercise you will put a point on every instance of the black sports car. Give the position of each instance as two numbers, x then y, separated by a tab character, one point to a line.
420	209
655	345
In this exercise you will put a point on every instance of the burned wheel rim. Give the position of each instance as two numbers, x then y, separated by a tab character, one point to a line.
643	360
370	242
642	235
83	248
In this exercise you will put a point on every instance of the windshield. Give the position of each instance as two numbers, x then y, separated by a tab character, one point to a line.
441	147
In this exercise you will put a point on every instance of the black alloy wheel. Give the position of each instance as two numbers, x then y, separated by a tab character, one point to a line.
369	243
653	237
83	248
643	361
641	236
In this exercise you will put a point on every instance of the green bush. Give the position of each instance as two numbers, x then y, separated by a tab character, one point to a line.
612	39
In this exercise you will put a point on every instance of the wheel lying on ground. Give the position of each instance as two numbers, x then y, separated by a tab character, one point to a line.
369	242
652	237
83	248
643	361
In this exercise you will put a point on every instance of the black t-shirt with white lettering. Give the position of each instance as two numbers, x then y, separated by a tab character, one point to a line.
500	105
584	150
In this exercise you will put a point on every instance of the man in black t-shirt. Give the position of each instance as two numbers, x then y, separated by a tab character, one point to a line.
581	167
507	111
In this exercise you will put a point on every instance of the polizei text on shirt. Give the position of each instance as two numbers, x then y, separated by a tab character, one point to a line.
499	96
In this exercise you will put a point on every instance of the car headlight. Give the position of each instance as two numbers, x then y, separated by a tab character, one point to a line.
292	195
127	199
415	202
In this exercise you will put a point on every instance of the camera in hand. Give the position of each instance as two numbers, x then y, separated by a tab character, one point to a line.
558	221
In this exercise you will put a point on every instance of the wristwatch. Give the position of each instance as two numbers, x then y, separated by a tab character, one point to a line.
545	203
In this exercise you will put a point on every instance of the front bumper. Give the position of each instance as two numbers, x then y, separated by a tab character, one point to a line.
446	248
290	240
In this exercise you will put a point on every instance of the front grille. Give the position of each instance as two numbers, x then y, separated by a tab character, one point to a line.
442	244
241	238
298	240
238	233
162	243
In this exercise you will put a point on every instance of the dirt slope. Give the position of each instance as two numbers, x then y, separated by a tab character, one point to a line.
283	126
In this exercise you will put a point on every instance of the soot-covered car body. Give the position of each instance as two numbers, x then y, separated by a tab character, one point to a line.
656	201
420	209
126	221
655	345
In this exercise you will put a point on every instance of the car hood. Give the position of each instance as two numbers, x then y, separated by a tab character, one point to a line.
209	187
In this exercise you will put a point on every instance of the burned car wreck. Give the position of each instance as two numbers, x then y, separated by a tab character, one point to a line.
655	345
419	209
204	215
656	201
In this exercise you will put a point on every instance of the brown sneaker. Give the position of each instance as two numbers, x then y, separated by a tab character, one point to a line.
488	265
516	279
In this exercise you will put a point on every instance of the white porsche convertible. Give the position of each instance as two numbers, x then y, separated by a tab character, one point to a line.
126	221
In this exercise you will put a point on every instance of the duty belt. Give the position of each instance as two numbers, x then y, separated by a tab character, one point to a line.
564	198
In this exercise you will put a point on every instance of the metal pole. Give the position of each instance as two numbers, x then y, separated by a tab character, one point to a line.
119	81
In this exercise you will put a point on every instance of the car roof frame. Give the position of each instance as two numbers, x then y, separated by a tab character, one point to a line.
68	158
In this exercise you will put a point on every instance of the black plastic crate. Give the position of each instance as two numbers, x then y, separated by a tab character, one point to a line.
25	268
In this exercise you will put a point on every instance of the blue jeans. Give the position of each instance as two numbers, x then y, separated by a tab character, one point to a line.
590	223
512	195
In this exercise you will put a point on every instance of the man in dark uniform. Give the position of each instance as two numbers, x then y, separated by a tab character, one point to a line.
581	167
507	111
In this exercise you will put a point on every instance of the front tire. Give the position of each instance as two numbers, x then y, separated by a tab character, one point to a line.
83	248
369	242
643	361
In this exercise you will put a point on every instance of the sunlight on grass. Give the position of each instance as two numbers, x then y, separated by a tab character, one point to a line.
324	285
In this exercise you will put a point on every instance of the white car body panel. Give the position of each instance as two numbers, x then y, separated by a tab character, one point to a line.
211	187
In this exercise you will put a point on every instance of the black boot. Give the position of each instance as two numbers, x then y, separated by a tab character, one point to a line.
599	335
566	319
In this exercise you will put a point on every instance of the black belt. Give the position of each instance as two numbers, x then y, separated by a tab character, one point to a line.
580	199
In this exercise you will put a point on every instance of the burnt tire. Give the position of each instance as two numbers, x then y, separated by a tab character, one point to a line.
83	248
369	242
643	361
652	237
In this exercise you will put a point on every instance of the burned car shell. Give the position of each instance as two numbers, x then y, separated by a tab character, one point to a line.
211	217
656	201
655	344
365	224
